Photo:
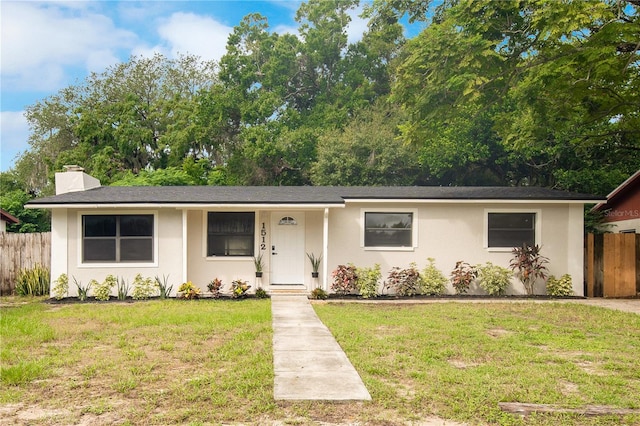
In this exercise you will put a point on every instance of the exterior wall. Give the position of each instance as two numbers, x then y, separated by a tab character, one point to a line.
201	270
3	226
449	232
66	232
624	226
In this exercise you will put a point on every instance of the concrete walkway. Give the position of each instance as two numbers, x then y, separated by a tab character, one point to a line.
308	362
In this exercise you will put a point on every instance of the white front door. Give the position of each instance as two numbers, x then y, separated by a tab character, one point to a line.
287	248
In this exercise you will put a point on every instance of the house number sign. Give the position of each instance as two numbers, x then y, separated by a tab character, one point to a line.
263	235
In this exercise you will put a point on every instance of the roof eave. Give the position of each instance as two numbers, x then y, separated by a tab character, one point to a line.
182	206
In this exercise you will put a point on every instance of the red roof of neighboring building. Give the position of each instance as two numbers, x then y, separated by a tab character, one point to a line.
625	198
8	217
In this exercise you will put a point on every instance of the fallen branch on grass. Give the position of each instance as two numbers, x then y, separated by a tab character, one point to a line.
589	410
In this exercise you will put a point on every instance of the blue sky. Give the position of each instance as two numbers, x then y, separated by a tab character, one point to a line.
47	46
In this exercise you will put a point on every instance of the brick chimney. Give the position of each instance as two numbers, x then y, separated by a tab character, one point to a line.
74	179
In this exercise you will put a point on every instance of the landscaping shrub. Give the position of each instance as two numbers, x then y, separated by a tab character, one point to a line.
163	286
367	281
261	293
462	276
123	289
560	287
239	289
83	291
432	280
319	294
494	279
529	265
33	282
143	288
404	282
61	287
344	279
189	291
102	291
215	287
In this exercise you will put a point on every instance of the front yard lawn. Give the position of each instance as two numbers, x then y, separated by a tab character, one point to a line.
210	361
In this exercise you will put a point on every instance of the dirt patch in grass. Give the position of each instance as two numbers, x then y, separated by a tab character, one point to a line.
498	332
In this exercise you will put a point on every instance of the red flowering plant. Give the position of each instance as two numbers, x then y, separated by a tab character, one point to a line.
344	279
529	265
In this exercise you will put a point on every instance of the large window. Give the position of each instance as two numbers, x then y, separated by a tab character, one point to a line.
230	234
508	230
117	238
386	229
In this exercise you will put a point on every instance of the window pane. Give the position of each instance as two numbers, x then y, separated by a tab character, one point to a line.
231	223
99	226
99	250
511	229
388	220
230	234
136	249
388	229
136	225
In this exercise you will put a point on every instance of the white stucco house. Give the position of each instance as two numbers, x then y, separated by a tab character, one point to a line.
201	233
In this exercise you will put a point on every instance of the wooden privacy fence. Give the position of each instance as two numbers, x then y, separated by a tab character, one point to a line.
612	265
22	251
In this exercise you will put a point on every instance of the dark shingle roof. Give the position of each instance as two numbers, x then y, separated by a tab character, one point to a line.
298	194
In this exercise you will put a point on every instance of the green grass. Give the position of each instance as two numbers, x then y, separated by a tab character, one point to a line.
460	360
210	361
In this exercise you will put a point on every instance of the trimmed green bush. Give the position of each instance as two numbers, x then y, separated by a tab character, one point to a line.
61	287
432	280
143	288
367	281
494	279
559	287
102	291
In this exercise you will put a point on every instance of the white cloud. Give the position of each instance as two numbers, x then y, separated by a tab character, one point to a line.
15	134
357	26
198	35
40	37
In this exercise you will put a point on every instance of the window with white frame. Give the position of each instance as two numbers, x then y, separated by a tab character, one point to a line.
117	238
230	233
511	229
388	229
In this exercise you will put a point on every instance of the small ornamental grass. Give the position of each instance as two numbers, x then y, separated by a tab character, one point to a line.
83	290
163	286
33	281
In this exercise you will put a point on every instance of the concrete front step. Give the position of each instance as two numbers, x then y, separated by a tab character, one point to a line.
288	289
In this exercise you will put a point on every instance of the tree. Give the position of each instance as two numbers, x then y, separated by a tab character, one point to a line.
13	197
135	115
530	91
366	152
